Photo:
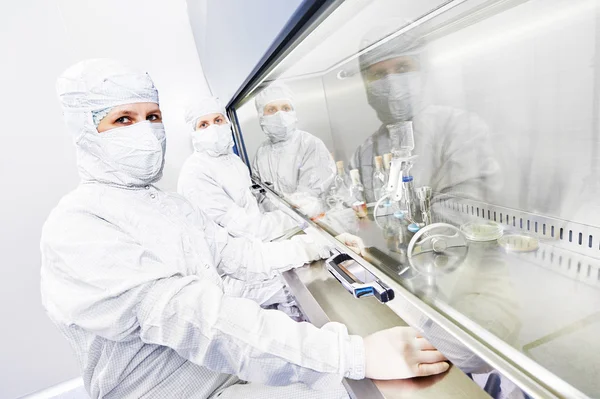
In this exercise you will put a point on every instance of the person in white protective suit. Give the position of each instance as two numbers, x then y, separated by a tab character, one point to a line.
298	164
130	274
218	182
453	146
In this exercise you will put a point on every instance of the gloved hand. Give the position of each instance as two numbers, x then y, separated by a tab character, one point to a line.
306	204
399	353
315	248
353	242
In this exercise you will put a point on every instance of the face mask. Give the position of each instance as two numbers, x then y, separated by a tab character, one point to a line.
215	140
137	150
395	97
279	126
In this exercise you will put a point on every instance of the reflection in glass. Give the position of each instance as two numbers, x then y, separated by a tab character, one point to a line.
452	146
297	163
502	99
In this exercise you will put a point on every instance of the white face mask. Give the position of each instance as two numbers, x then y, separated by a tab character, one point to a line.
395	97
215	140
280	126
137	150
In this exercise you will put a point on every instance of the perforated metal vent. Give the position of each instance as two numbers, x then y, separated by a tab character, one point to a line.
568	248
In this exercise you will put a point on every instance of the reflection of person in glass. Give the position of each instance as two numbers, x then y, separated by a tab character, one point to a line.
454	156
453	147
297	163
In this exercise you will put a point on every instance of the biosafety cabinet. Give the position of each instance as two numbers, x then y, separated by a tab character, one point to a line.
473	128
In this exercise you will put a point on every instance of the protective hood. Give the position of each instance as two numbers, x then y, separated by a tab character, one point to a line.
274	92
129	156
203	107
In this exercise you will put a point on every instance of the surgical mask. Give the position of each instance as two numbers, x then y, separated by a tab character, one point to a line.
279	126
215	140
395	97
137	150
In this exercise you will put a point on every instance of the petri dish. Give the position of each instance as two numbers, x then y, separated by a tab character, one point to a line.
482	231
519	243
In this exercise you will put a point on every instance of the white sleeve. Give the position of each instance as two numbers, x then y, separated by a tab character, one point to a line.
211	198
251	259
96	277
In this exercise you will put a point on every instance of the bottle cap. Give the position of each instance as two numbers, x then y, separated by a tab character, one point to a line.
387	160
355	175
378	162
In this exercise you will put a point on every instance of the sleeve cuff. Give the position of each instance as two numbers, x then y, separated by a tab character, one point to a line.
355	358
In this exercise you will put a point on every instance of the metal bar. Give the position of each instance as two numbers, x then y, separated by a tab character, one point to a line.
237	134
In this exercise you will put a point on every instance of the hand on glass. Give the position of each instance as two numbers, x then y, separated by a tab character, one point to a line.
353	242
399	353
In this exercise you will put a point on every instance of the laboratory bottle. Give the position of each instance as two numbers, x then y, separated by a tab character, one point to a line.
339	192
379	179
357	193
387	162
342	182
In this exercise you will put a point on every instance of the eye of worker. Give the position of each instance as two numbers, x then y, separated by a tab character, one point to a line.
210	119
395	65
129	114
276	106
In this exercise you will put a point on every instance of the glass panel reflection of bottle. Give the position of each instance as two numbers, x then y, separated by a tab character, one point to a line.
379	179
340	189
357	192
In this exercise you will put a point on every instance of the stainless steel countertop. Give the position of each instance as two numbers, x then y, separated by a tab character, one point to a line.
542	305
322	298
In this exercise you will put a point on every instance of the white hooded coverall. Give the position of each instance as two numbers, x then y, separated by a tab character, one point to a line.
130	275
299	165
219	184
217	181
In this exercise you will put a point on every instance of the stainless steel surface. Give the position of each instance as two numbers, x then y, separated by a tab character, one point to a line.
490	295
490	349
322	299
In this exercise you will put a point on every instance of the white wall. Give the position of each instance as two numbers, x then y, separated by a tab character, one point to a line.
38	40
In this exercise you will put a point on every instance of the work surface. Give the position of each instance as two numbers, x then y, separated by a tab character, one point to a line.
322	298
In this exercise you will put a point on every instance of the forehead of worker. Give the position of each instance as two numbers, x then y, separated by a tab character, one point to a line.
401	64
279	104
212	118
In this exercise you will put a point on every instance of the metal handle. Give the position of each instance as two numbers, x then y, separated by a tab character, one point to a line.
358	289
257	189
437	238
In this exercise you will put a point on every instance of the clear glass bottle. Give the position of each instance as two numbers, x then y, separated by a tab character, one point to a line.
342	181
357	193
379	179
340	189
387	162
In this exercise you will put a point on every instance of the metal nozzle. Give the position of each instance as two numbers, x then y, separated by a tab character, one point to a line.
424	195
